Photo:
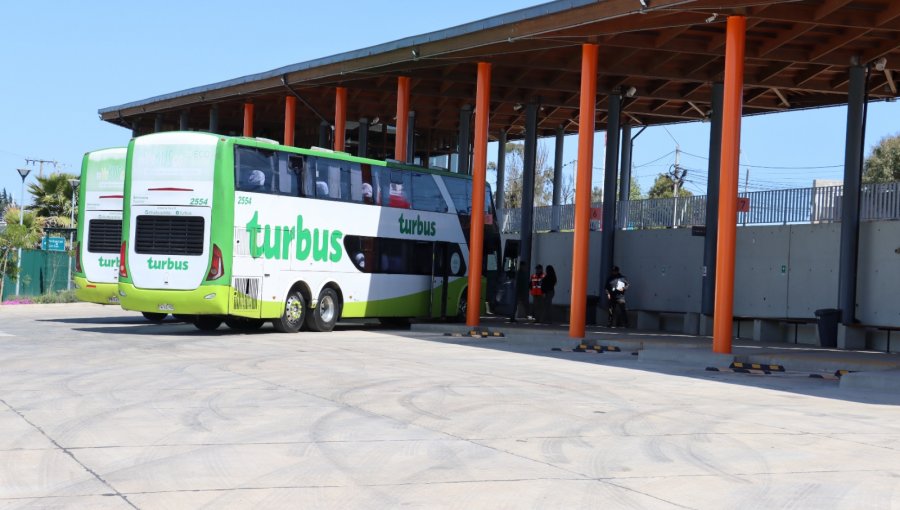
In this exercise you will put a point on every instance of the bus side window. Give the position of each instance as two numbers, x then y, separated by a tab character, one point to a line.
288	177
306	169
461	193
395	188
352	182
254	170
328	178
425	194
368	185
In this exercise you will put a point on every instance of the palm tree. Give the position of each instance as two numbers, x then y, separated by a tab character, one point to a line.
15	236
53	198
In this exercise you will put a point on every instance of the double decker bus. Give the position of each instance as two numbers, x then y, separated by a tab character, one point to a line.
246	231
99	230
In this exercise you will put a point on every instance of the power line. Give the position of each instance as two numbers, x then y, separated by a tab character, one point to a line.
767	167
655	160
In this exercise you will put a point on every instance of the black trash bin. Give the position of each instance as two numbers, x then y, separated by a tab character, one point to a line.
827	324
590	316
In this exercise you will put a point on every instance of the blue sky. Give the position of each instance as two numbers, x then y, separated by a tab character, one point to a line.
65	60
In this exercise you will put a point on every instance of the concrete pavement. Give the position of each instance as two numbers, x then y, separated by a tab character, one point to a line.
99	409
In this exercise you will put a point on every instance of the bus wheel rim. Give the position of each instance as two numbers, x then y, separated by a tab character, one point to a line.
326	309
293	310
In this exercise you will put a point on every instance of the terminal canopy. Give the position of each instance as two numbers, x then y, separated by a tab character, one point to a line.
661	55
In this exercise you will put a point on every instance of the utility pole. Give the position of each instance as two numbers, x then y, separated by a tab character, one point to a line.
746	185
678	175
40	163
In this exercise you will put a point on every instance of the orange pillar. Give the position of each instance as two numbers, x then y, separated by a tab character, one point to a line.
723	315
402	118
290	118
479	176
340	118
580	246
248	119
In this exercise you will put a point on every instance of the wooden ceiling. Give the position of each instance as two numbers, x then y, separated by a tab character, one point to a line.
671	51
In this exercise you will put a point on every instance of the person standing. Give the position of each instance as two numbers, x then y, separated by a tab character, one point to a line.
615	294
537	295
548	288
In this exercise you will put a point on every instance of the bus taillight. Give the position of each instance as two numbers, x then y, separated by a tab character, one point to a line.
216	267
77	257
123	272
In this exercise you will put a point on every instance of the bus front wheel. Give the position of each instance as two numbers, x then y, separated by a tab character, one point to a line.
294	314
325	315
207	322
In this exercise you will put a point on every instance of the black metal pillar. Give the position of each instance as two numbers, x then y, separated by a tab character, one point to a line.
625	180
853	153
557	179
324	134
134	129
183	120
708	290
158	123
411	138
464	139
608	235
214	119
501	178
526	228
362	146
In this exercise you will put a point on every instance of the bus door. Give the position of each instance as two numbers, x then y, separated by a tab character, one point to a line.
440	279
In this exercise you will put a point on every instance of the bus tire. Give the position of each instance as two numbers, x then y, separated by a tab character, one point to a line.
463	306
154	317
294	314
326	313
243	323
207	322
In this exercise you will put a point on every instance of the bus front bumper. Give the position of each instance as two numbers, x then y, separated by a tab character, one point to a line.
204	300
91	292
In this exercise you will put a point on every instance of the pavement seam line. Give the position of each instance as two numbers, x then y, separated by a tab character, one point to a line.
70	454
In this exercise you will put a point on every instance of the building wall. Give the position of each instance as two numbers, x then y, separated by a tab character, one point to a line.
780	271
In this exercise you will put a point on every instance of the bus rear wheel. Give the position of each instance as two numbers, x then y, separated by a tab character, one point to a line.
326	313
243	323
207	322
154	317
294	314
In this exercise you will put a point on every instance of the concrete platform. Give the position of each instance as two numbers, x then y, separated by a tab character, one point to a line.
693	350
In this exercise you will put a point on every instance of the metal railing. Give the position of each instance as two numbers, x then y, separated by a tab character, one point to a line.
879	201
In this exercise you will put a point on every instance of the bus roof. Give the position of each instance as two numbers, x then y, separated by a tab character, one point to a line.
343	156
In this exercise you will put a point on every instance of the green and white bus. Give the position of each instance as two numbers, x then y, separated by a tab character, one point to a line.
245	231
99	226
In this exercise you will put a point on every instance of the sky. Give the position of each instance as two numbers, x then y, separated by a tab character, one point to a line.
63	61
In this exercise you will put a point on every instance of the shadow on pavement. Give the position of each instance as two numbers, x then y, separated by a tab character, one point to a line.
540	340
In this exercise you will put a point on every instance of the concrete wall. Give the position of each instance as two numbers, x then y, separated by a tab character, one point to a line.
780	271
878	285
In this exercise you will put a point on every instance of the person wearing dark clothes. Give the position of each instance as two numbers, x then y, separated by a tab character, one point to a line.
615	293
548	287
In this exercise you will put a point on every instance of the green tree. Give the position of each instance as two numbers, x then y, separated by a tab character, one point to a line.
14	237
664	187
883	165
53	198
